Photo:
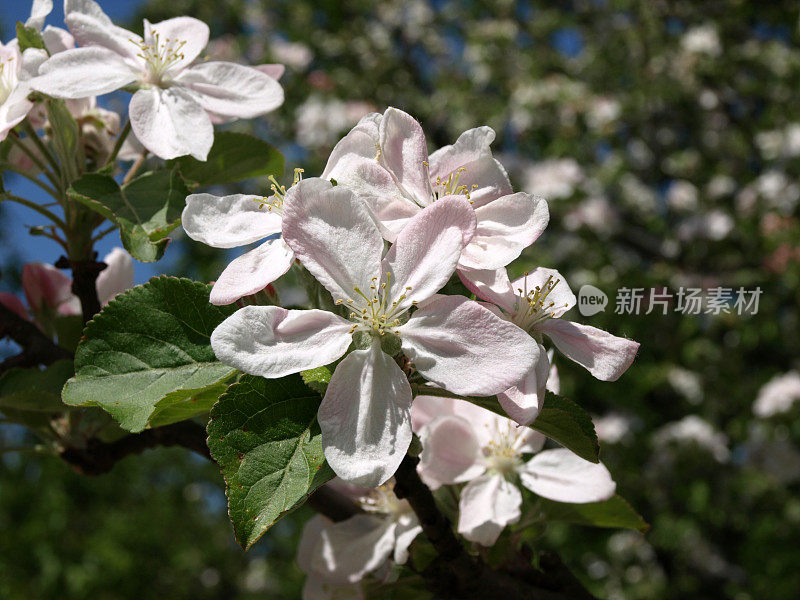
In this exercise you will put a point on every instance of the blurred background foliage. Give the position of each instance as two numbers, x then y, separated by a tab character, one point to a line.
666	138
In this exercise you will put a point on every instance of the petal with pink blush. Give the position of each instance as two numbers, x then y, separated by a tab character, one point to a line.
460	345
404	152
487	505
272	342
561	295
605	356
45	286
229	221
491	285
275	71
450	452
15	305
426	251
252	272
524	401
83	72
469	147
426	408
563	476
486	180
365	417
333	234
506	227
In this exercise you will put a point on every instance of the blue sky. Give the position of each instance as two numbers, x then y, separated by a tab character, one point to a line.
15	237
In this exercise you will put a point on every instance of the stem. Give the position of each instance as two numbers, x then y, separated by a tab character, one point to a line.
33	156
52	191
84	282
120	140
104	233
37	348
34	206
28	128
134	168
426	390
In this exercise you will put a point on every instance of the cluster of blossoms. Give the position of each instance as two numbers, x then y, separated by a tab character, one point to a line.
384	229
177	97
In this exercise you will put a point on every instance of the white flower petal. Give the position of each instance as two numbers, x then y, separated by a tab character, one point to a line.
486	180
465	348
561	295
426	252
487	505
506	227
82	72
350	549
469	147
309	538
228	221
524	401
365	417
605	356
405	154
252	272
334	236
232	90
170	123
90	26
563	476
57	40
39	12
407	529
272	342
191	32
116	277
450	452
490	285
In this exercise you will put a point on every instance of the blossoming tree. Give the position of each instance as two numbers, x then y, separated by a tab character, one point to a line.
407	399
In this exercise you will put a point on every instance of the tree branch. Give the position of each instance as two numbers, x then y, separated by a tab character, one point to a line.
37	348
84	282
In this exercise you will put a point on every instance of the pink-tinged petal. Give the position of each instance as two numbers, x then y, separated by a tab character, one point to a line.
116	277
333	234
232	90
45	286
15	305
553	379
365	417
275	71
229	221
350	549
309	538
604	355
405	153
82	72
90	26
272	342
524	401
191	33
486	180
450	452
170	123
463	347
57	40
252	272
408	528
39	12
560	296
356	146
469	147
426	251
487	505
506	227
426	408
563	476
490	285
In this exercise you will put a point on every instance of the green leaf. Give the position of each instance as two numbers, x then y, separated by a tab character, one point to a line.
29	37
567	423
317	379
69	329
265	437
233	157
146	209
614	512
66	137
35	389
186	404
148	342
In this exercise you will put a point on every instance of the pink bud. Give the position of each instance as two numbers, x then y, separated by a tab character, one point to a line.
14	304
47	287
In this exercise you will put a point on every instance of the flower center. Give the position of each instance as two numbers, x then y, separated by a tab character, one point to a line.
450	186
8	78
275	202
159	55
374	313
502	454
382	499
532	306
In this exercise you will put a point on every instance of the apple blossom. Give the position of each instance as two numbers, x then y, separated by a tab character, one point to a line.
452	341
238	220
116	277
778	395
462	442
335	556
385	160
16	70
170	112
535	302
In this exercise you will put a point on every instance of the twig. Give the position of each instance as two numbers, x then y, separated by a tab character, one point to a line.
37	348
84	282
135	168
120	140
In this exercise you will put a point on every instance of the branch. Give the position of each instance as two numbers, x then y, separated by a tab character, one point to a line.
99	457
37	348
84	282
